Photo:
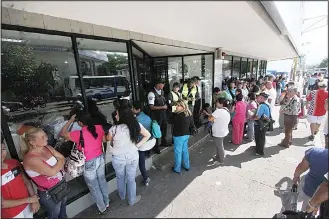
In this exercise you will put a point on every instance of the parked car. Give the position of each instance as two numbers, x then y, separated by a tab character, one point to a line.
13	106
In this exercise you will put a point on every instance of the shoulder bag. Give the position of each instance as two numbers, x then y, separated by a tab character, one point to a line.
74	164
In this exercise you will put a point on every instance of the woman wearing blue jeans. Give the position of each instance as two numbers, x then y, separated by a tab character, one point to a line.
124	137
181	120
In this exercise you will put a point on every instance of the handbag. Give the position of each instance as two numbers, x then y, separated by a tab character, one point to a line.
74	165
193	129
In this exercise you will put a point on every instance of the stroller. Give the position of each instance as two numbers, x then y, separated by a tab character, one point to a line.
289	210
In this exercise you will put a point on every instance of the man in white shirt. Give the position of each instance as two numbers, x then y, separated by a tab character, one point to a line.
271	97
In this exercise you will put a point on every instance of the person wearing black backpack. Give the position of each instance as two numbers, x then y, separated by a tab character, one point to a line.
262	119
157	104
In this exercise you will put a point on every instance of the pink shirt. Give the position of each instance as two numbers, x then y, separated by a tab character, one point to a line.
251	106
93	147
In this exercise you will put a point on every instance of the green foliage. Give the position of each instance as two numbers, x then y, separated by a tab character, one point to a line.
21	74
116	62
324	63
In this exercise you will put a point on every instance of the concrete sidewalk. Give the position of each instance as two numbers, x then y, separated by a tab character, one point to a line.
245	187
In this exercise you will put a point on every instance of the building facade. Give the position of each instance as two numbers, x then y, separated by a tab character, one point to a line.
52	57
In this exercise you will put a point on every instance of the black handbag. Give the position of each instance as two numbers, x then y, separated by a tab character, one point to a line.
57	192
193	129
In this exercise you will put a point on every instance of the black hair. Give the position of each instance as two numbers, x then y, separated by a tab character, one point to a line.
252	96
86	120
223	101
175	85
206	105
116	104
138	105
239	97
216	89
239	90
127	117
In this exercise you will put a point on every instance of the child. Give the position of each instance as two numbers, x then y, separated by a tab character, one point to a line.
206	111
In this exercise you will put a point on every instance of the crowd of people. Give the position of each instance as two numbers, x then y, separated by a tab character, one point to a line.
247	105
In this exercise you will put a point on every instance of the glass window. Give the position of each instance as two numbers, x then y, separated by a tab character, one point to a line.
192	66
174	70
160	71
207	83
38	82
244	68
236	67
109	76
249	69
254	69
227	67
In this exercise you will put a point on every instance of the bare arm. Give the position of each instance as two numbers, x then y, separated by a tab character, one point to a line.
28	185
146	135
320	195
37	165
300	169
64	131
9	203
211	118
152	107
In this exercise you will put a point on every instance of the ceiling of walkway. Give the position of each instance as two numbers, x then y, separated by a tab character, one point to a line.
232	25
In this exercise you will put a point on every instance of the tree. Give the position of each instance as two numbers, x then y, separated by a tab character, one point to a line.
115	62
22	75
324	63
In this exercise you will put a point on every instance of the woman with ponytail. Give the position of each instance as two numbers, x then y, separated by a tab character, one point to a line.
94	173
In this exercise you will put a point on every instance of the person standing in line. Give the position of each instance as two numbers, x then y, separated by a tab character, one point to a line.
94	169
198	100
271	94
43	164
325	127
291	107
278	89
319	80
238	120
263	113
146	121
174	96
316	111
231	90
17	194
245	91
182	119
189	93
158	107
124	137
316	161
271	79
251	111
221	118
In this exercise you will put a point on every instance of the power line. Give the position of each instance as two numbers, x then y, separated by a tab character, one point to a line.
314	28
314	24
313	17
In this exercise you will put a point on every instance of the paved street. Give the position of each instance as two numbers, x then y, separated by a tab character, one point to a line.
245	187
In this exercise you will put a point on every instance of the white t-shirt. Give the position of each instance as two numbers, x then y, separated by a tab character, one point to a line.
220	125
121	140
151	96
272	96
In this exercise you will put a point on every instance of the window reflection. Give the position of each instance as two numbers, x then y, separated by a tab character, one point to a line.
227	66
244	68
174	70
34	87
236	67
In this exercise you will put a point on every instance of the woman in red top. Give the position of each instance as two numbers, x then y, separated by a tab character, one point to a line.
18	199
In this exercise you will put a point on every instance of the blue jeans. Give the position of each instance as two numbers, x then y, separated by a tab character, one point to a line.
95	179
141	164
181	151
53	210
125	167
251	129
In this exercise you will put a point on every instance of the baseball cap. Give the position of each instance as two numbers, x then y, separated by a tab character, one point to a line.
265	95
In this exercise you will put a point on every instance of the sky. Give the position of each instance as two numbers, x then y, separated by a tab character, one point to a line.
315	42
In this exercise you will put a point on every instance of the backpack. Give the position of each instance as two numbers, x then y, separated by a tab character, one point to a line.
156	130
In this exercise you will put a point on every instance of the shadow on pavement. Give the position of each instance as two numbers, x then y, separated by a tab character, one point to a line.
275	132
249	155
302	142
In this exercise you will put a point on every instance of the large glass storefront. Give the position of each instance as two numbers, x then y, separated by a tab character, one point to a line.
45	74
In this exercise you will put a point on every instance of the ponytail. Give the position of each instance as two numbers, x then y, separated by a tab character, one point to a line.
88	121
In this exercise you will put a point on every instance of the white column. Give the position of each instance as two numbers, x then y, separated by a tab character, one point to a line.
218	73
